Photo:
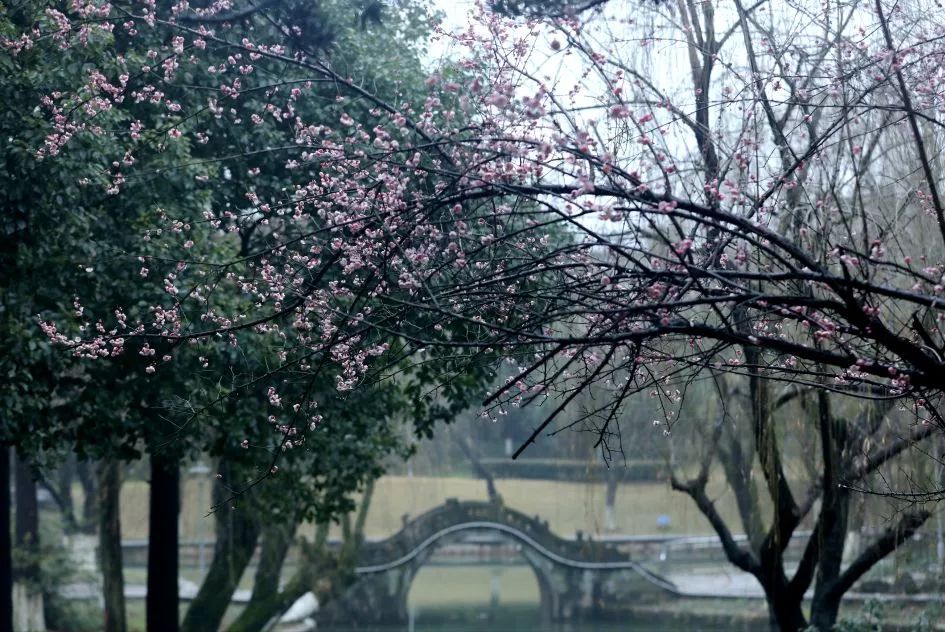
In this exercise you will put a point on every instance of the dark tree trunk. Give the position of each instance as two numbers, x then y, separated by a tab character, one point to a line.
267	601
258	613
61	492
162	608
316	562
237	532
833	519
823	554
610	500
86	475
276	539
27	523
825	604
786	612
6	543
823	613
830	590
27	591
480	470
110	557
64	477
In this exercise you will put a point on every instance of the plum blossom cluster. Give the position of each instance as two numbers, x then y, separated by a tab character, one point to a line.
559	198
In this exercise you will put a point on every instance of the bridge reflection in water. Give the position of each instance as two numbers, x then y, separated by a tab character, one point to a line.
577	579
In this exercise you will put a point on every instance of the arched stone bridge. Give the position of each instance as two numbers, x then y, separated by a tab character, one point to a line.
577	579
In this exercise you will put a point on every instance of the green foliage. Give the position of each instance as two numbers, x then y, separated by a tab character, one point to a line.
75	615
873	617
66	235
869	620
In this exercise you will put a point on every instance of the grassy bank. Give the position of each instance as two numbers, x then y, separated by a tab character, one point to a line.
568	506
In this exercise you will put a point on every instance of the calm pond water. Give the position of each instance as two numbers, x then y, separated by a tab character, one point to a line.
457	599
517	625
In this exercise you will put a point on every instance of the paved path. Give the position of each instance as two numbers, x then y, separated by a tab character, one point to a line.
187	591
715	584
738	585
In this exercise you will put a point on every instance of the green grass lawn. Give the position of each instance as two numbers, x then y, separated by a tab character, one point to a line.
568	506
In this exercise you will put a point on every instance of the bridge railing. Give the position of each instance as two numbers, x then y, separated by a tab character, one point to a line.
453	513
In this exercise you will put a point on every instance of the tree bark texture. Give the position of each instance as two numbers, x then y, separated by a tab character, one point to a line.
237	532
60	488
267	601
258	613
28	606
6	543
480	470
162	608
85	471
276	539
610	500
823	555
64	477
110	555
786	612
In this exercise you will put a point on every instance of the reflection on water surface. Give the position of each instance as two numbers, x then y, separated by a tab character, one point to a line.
497	599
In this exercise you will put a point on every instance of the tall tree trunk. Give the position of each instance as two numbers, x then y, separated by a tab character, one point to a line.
317	564
85	471
361	520
826	604
237	531
276	539
823	613
827	598
610	500
64	476
480	470
258	613
6	543
61	491
833	519
27	592
268	601
162	608
786	612
113	584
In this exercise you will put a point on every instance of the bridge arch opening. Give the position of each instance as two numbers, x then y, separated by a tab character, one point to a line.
481	577
574	578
